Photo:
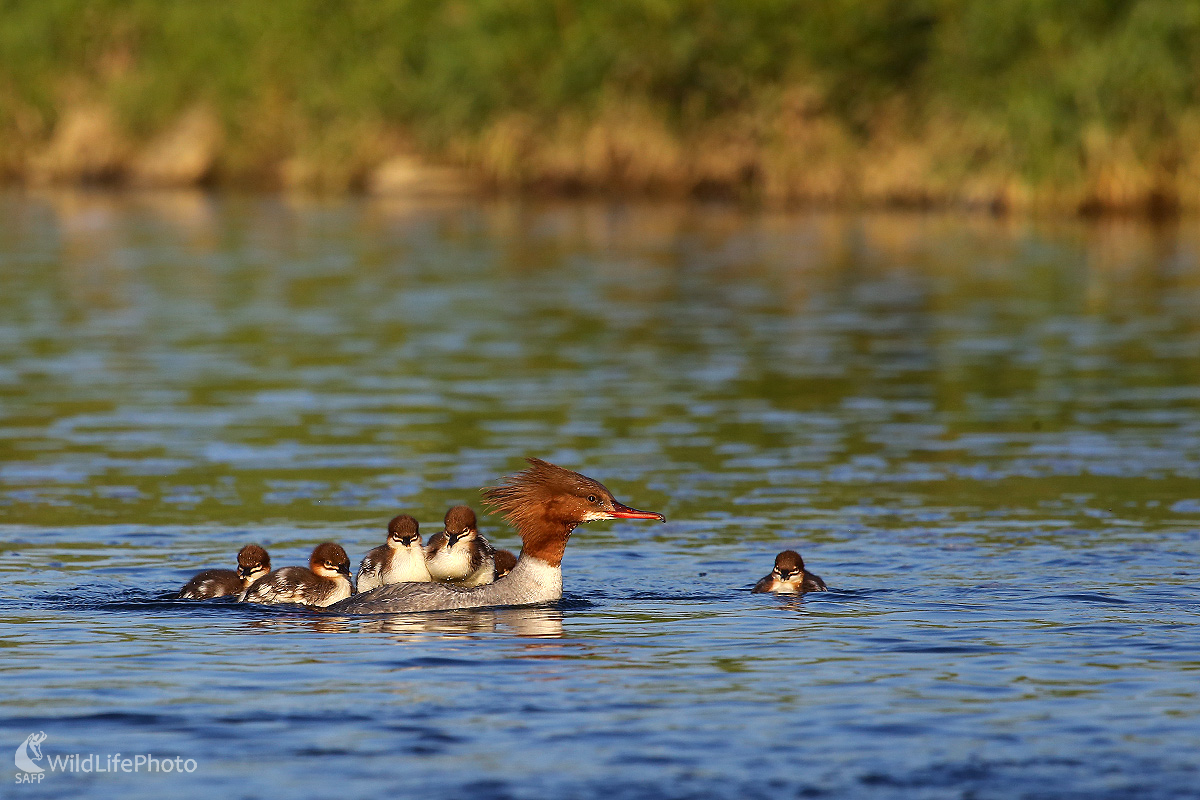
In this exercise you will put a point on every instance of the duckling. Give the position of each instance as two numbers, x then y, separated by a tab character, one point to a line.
790	577
459	553
253	563
399	560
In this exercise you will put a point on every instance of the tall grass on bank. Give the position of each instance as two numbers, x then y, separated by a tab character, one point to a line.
1084	104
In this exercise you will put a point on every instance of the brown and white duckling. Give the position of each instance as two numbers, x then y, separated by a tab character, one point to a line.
545	503
503	561
790	577
399	560
325	581
459	553
253	563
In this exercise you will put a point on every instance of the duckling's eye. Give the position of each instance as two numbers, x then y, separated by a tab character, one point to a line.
591	498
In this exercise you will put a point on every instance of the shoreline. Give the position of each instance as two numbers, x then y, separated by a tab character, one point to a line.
807	164
543	197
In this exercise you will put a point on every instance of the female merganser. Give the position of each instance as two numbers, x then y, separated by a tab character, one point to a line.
398	560
459	553
324	582
790	577
253	563
504	561
544	503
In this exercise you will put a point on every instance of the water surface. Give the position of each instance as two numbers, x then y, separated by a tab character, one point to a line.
984	435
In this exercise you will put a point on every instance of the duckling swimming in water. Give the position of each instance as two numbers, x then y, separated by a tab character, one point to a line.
790	577
253	563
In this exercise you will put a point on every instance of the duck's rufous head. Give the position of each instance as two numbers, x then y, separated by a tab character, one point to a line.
545	502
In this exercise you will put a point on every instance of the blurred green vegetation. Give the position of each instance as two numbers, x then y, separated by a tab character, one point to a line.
1023	83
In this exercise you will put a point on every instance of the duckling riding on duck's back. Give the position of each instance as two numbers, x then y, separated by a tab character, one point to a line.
398	560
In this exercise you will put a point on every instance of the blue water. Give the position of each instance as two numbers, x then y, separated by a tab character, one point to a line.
983	435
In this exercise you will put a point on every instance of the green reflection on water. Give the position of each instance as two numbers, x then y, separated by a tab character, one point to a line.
187	359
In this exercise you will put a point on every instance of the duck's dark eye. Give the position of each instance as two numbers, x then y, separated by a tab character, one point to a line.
591	498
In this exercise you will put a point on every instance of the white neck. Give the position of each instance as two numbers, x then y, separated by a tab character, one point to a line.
535	576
